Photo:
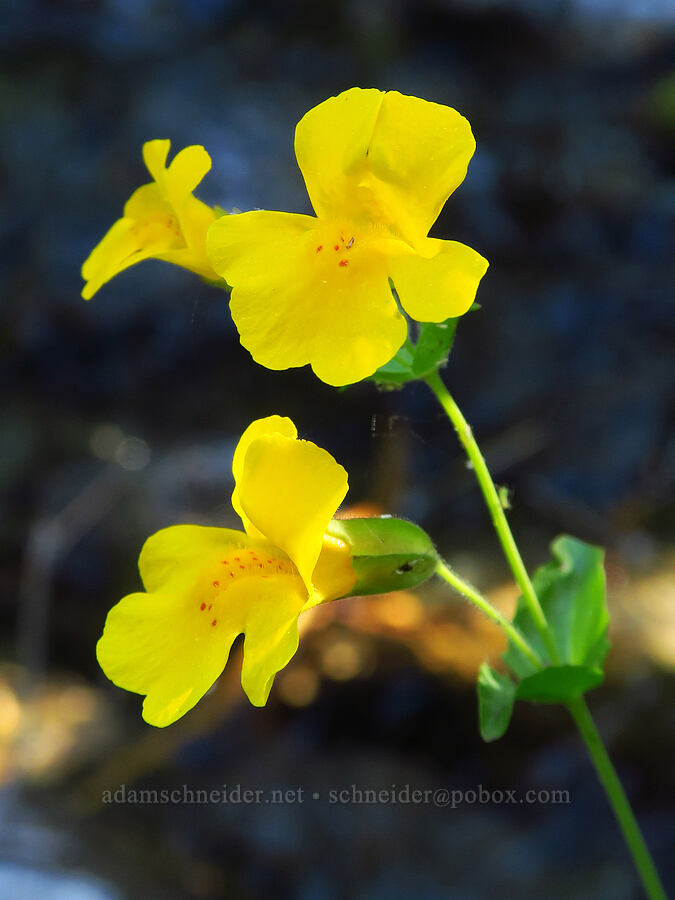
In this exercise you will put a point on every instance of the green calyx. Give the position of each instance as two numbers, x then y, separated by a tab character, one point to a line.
388	554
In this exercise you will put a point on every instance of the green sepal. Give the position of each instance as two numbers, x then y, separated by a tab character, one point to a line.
388	554
496	696
571	591
559	684
398	370
433	346
415	361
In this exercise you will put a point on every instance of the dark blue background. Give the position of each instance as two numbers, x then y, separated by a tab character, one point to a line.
566	375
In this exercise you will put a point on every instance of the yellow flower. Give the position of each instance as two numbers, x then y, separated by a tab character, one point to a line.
162	220
204	586
378	168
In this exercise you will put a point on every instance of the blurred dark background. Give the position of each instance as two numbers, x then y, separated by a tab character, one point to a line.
119	417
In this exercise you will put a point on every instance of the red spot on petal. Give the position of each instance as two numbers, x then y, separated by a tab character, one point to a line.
242	567
231	574
343	263
203	606
214	622
260	565
319	248
336	247
216	584
236	559
210	605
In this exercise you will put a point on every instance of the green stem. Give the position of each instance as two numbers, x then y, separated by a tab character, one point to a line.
496	509
578	709
618	800
484	605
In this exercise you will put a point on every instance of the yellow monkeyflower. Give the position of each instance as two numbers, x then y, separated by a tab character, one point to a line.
204	586
162	220
378	169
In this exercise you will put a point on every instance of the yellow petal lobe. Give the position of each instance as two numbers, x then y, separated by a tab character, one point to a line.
271	635
290	490
269	425
333	575
386	157
439	286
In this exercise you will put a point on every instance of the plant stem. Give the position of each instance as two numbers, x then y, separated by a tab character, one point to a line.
496	509
484	605
617	798
578	708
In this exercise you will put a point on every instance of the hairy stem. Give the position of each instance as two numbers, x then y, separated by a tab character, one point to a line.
484	605
496	509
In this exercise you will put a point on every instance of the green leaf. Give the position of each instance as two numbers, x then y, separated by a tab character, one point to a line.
571	590
558	684
415	361
433	346
388	554
496	695
398	371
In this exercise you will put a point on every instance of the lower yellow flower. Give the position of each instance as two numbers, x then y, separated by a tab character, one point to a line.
162	220
204	586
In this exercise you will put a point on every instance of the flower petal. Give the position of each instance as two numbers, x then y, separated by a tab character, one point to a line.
268	425
154	157
392	158
333	575
439	286
186	171
205	586
160	645
295	301
173	554
331	142
114	252
271	635
290	490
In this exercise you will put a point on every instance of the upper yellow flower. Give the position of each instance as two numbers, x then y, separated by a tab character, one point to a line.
378	168
204	586
162	220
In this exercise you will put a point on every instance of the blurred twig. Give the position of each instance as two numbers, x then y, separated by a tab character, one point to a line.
49	539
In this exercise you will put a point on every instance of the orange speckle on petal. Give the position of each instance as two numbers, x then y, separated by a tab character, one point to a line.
214	622
336	247
319	248
203	606
216	584
343	263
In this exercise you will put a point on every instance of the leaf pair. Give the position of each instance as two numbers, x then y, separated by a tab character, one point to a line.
571	591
